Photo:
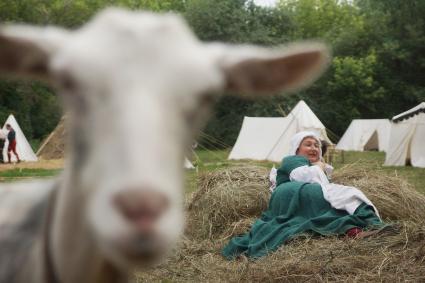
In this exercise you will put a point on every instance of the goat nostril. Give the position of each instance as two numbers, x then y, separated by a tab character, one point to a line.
141	207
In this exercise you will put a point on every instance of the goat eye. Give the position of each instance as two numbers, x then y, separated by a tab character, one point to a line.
207	99
66	82
69	84
200	109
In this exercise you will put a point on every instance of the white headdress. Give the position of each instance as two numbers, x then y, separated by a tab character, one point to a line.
299	137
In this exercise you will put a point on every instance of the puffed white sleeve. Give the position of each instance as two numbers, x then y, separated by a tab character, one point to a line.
272	178
309	174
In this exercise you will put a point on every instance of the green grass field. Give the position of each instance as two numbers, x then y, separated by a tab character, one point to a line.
27	173
207	161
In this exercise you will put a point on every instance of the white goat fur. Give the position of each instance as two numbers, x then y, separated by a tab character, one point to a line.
137	87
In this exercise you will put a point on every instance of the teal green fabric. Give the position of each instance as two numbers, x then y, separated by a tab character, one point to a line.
295	208
288	164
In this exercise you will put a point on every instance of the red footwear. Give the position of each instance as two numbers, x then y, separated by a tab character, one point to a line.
353	232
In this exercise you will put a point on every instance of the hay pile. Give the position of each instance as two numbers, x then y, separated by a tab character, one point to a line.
53	147
226	197
393	196
389	257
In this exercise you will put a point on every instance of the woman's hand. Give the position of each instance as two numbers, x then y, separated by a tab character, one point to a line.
320	164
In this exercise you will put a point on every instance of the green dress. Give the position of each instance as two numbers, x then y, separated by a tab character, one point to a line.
295	208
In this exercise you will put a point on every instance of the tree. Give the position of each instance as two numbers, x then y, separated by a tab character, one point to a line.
399	39
237	22
377	45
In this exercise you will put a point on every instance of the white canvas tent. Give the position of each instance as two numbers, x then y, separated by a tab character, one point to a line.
23	147
188	164
366	134
407	137
264	138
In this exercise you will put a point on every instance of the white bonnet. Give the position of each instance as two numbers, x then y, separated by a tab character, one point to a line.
298	138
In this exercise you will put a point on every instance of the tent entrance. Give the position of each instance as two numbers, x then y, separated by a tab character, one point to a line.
373	142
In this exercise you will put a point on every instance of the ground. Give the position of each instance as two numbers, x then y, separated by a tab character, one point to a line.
208	160
397	257
27	170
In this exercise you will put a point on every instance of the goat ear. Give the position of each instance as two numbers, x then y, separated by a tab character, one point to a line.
250	70
26	51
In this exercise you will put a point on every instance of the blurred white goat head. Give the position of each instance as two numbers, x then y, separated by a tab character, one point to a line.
138	87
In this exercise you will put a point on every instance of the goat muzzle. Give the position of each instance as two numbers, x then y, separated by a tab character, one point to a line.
141	207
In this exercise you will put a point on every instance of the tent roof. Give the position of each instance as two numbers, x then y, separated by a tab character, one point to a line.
304	114
409	113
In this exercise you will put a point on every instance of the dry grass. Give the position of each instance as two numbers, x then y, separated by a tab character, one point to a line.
53	147
228	201
393	196
225	197
41	164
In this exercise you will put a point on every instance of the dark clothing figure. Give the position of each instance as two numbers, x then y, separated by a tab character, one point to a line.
11	137
2	142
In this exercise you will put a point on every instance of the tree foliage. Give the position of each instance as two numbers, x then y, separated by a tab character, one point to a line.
377	69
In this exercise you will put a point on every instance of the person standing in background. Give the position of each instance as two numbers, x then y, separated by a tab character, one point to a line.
2	141
11	137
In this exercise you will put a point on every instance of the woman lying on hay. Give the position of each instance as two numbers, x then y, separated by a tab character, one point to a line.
305	201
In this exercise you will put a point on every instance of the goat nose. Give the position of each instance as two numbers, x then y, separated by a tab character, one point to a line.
141	207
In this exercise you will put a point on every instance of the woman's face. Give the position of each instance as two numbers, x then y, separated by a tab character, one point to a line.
310	148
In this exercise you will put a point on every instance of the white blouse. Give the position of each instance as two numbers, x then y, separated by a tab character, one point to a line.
339	196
